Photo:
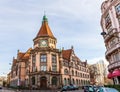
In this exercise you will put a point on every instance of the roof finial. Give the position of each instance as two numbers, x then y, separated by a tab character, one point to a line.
44	18
44	13
72	47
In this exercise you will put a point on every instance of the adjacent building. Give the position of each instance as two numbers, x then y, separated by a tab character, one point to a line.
3	80
98	73
110	23
45	66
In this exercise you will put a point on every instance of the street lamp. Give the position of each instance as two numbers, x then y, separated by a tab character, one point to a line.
110	35
103	33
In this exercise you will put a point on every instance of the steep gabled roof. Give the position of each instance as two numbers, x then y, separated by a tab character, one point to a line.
20	55
66	54
45	29
27	54
14	62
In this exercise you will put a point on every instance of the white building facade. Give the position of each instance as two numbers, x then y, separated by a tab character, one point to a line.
110	23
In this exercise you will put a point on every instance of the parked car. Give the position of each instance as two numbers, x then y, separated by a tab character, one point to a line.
64	88
69	87
86	88
74	87
89	88
0	87
106	89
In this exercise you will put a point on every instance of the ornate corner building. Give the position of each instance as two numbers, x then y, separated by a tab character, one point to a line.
45	66
110	23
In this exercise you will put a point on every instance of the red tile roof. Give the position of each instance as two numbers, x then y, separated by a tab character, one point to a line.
45	29
14	62
27	54
20	55
66	54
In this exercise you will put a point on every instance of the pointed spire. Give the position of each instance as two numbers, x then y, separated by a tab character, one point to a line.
45	29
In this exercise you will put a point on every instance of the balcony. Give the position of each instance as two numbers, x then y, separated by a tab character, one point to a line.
111	34
114	65
112	49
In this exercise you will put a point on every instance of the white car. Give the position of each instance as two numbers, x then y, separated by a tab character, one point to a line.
106	89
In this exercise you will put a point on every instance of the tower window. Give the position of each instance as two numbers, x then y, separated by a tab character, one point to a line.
53	58
43	68
33	58
43	58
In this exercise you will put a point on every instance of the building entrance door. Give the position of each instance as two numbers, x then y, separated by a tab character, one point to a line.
43	82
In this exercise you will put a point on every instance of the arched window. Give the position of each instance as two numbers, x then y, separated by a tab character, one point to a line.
73	81
82	82
79	82
68	81
54	80
65	71
76	73
33	80
72	72
65	81
76	81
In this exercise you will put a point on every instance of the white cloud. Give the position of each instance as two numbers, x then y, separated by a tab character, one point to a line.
97	59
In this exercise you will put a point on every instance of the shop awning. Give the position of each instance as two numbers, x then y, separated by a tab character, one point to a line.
110	75
116	73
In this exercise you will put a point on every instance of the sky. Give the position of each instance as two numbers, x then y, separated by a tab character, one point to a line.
73	22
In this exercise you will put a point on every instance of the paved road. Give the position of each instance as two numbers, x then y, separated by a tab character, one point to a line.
10	90
50	91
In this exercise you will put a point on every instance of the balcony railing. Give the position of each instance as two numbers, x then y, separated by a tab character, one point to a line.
114	65
112	49
110	34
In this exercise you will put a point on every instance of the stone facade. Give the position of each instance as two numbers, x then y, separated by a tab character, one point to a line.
45	66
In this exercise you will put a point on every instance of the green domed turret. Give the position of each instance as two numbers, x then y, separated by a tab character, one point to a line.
45	19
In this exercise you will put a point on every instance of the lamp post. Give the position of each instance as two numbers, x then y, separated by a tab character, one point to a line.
105	34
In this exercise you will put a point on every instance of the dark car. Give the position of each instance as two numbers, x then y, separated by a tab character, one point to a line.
86	88
0	87
69	87
89	88
66	88
73	87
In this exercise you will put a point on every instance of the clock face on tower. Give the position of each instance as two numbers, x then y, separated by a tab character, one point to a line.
43	43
